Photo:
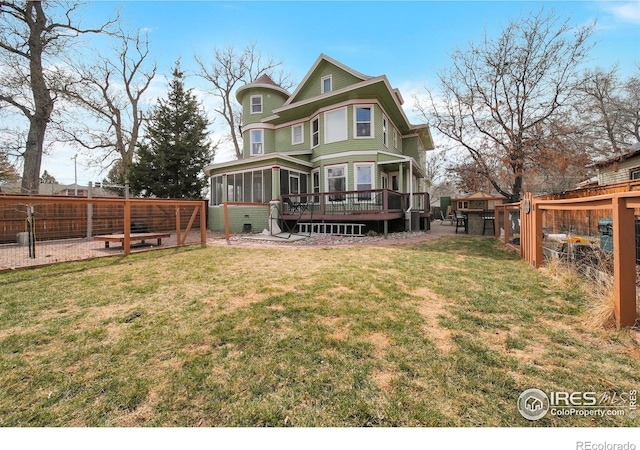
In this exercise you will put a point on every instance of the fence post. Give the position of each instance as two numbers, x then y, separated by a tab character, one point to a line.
178	226
624	263
90	212
535	233
203	223
126	243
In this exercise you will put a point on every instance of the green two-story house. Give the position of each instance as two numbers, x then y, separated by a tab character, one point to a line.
339	149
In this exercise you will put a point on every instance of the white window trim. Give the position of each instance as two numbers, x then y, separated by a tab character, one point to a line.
311	131
322	80
293	140
326	127
395	138
253	142
345	166
355	122
251	104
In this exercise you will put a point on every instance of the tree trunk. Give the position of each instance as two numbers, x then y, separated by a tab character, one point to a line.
42	101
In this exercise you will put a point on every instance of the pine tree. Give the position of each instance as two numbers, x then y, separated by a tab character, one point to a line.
170	158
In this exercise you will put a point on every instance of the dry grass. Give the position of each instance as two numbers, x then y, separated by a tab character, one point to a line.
361	336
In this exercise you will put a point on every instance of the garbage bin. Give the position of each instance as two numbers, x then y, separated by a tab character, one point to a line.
605	229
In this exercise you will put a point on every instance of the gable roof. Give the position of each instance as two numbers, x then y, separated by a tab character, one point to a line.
309	74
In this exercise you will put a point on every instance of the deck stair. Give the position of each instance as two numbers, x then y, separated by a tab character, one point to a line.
342	229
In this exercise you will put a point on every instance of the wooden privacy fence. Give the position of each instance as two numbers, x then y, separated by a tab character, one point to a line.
620	206
49	218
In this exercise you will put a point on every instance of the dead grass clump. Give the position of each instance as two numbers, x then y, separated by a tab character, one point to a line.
596	284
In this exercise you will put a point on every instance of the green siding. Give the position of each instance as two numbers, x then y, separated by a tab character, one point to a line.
258	217
270	100
283	139
339	79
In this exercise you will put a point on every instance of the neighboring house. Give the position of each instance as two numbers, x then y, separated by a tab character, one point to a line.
337	149
60	189
622	168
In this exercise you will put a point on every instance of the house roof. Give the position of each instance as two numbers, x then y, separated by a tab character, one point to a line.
319	60
632	152
480	195
368	89
264	81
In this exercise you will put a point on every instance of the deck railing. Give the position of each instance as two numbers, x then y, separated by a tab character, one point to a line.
372	201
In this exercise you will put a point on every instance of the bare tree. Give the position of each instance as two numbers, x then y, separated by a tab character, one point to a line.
631	107
500	97
32	35
229	70
111	91
599	106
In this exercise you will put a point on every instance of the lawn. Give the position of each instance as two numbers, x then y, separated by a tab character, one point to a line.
444	333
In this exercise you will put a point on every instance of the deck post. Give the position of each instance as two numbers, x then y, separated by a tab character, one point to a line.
386	228
624	263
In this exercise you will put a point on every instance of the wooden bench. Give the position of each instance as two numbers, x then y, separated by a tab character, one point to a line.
107	238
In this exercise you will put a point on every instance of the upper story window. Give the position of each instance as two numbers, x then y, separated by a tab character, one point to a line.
634	174
395	138
297	134
315	132
256	104
257	142
335	125
364	120
385	131
326	84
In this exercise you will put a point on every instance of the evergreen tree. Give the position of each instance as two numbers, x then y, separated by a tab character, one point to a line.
170	158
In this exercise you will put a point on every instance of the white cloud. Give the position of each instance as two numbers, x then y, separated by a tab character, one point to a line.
627	11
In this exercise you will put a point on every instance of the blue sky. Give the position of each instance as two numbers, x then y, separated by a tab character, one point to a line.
407	41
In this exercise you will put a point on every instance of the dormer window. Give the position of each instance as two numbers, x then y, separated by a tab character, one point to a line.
326	85
256	104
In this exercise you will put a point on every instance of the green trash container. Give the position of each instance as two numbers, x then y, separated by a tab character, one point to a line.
605	229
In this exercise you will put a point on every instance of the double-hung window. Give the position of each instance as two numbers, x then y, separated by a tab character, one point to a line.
256	104
315	132
395	138
364	121
257	142
297	134
336	177
364	180
315	184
